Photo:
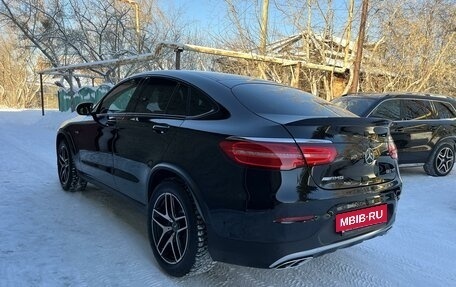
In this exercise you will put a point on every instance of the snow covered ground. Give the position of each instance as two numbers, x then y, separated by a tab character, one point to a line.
49	237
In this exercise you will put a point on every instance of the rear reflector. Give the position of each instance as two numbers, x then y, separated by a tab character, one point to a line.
392	149
294	219
280	156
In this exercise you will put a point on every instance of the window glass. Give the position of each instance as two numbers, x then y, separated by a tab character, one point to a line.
416	109
356	105
199	103
281	100
162	96
389	109
120	99
444	110
177	105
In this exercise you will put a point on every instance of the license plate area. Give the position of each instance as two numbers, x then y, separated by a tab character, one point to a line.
361	218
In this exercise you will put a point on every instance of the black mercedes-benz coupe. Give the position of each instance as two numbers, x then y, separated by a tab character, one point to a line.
423	126
234	169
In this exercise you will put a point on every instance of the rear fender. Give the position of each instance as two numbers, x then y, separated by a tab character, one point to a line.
166	170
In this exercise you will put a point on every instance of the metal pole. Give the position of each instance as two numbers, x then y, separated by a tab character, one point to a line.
178	57
349	30
264	27
42	94
138	33
359	48
136	16
70	76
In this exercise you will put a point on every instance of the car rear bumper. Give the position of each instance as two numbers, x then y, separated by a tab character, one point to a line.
254	239
296	259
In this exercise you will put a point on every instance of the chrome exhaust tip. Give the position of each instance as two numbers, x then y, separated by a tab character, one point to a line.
293	263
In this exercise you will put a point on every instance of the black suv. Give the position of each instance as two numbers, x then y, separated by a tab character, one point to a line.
423	128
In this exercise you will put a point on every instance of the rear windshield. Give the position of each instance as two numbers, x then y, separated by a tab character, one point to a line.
280	100
356	105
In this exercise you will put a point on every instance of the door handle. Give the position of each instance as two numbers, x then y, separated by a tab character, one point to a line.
111	121
161	129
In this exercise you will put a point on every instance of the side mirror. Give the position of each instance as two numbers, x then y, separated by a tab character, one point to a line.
84	109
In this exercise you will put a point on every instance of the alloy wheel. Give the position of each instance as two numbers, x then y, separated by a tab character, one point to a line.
169	228
444	160
64	164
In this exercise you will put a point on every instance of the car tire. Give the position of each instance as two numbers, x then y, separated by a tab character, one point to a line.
68	175
177	233
441	161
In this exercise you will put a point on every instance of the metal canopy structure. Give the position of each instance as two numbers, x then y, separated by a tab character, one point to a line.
178	48
100	64
248	56
69	69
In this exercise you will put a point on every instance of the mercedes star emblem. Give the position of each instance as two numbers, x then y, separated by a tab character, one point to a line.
369	156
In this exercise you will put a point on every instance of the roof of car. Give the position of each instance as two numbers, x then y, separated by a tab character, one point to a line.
228	80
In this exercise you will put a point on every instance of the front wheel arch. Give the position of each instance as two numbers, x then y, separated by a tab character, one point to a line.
68	174
63	136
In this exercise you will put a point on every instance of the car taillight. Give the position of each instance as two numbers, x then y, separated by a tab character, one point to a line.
392	149
280	156
318	154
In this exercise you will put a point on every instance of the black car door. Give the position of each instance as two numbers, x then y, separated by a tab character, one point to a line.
144	135
95	138
412	127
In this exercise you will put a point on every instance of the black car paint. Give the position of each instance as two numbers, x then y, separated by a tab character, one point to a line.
132	152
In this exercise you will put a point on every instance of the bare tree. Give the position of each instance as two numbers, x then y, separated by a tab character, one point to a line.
410	43
418	48
17	85
79	31
312	41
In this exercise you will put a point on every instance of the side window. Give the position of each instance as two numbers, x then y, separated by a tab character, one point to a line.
390	109
444	110
120	99
416	110
162	96
177	105
199	103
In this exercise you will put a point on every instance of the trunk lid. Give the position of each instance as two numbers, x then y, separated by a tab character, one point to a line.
365	150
